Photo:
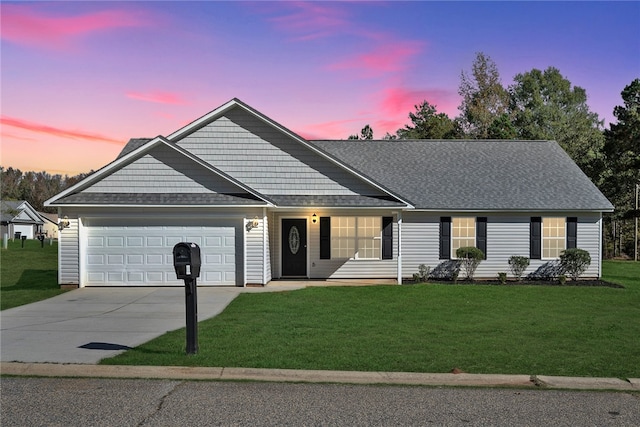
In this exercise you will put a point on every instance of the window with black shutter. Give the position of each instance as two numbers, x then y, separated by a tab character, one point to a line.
325	237
481	235
445	237
572	232
387	237
535	238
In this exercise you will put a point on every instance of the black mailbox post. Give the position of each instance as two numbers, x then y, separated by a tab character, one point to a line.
186	261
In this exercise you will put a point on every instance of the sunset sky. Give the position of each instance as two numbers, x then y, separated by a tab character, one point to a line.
78	79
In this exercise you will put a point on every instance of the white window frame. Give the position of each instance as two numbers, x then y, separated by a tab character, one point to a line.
453	221
355	255
544	238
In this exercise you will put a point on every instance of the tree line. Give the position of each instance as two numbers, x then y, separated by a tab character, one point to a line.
544	105
35	187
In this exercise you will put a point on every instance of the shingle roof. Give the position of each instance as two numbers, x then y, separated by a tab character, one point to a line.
473	175
160	199
335	201
8	209
132	145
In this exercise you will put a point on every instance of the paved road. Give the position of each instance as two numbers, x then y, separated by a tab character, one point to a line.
110	402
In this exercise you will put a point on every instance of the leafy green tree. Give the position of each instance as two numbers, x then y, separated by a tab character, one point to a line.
427	123
622	159
484	99
544	105
365	134
502	128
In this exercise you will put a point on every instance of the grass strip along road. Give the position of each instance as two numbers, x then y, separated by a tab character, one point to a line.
512	329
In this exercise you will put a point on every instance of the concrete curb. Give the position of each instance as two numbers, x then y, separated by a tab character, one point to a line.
310	376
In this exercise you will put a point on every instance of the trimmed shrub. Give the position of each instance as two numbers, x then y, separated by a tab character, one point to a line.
470	258
574	262
422	275
502	278
518	264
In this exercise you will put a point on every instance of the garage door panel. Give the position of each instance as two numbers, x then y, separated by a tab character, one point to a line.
135	241
140	255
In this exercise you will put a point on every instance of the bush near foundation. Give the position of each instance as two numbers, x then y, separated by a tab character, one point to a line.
470	258
574	262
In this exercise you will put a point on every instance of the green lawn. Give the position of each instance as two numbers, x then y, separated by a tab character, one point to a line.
577	331
28	274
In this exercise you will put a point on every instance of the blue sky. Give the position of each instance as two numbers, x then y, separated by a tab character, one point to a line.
81	78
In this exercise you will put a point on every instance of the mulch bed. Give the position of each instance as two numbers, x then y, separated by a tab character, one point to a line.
524	282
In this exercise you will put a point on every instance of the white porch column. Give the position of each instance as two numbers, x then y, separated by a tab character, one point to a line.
399	248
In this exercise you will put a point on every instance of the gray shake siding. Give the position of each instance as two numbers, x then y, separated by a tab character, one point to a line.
507	235
163	170
269	161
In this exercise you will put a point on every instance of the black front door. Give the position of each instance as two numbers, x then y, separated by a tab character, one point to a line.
294	247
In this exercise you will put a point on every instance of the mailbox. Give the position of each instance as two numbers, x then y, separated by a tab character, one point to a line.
186	260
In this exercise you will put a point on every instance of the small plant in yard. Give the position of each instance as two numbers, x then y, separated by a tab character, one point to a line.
518	264
502	278
562	279
574	262
422	275
470	258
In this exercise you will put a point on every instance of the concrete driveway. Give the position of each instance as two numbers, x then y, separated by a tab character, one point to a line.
89	324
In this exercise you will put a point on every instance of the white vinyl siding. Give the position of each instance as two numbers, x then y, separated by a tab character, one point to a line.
68	254
507	235
257	261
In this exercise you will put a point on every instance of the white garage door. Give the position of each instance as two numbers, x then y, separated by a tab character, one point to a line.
143	256
25	230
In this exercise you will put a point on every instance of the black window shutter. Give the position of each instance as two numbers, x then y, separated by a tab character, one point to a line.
535	238
445	237
325	237
387	237
481	235
572	232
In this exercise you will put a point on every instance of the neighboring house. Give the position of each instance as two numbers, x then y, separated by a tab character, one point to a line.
50	227
264	203
18	216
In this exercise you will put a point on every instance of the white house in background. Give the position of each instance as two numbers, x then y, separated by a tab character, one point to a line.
18	216
264	203
50	227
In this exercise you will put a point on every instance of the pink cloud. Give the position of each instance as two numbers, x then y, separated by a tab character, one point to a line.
311	20
58	132
386	58
157	97
396	100
335	129
25	25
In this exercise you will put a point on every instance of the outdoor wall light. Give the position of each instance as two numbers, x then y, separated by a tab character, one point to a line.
253	223
64	223
314	218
